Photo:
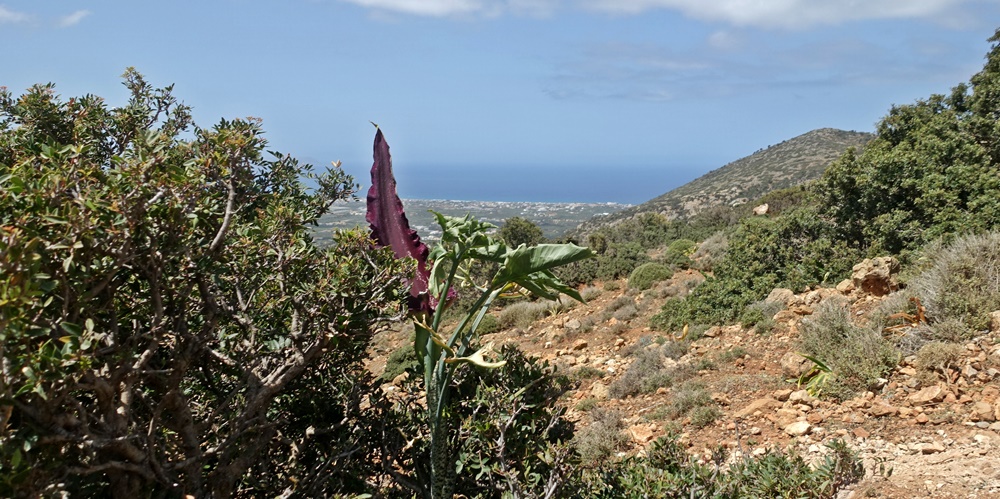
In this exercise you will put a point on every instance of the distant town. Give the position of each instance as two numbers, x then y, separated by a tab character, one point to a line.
555	219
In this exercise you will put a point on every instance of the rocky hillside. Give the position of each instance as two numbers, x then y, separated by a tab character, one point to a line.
930	430
787	164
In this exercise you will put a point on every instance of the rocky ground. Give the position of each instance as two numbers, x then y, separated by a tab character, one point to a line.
919	435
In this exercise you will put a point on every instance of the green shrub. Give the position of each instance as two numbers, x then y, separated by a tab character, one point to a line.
938	356
626	313
612	286
523	313
710	251
679	252
686	397
399	361
857	356
602	438
732	354
704	415
962	284
489	325
648	274
590	292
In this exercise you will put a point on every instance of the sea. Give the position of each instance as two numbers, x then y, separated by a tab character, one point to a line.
538	184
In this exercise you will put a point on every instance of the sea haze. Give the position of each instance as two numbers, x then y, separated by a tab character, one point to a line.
541	184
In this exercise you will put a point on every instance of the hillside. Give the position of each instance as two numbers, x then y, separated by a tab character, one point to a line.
787	164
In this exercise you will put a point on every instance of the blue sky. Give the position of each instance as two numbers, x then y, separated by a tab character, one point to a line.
549	100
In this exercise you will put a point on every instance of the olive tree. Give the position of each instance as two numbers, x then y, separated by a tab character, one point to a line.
168	326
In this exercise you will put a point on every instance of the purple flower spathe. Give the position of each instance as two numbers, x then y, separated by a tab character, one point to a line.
390	227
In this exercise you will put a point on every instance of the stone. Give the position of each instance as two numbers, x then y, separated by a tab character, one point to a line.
983	411
881	409
876	276
641	433
930	448
928	395
921	418
755	406
995	321
798	428
579	344
793	364
599	391
573	325
815	417
781	395
861	432
713	331
780	295
723	399
619	342
761	210
801	396
845	286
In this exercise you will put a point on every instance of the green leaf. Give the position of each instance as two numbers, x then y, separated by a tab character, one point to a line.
527	260
71	328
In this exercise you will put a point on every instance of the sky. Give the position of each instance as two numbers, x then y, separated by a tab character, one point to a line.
516	100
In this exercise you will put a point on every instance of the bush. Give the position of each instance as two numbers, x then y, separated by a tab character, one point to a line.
516	231
169	324
522	314
856	355
590	292
648	274
962	284
489	325
401	360
602	438
679	252
710	251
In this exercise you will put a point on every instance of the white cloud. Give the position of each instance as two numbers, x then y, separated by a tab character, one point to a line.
435	8
10	16
73	19
788	14
444	8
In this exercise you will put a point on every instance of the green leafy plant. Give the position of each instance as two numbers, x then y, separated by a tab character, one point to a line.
464	243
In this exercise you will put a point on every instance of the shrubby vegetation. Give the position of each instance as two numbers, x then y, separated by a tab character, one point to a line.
168	324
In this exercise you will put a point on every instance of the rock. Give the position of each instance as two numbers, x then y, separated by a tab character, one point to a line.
969	372
921	418
761	210
780	295
781	395
573	325
928	395
641	433
930	448
801	396
400	379
815	417
712	332
881	409
798	428
723	399
619	342
755	406
845	286
876	276
861	432
599	391
579	344
983	411
793	364
995	321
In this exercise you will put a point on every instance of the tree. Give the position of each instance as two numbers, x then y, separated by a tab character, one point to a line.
517	231
931	172
167	323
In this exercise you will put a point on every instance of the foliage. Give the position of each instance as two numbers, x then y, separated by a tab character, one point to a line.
930	173
168	325
522	313
399	361
678	253
516	231
601	438
962	284
465	244
666	471
648	274
857	356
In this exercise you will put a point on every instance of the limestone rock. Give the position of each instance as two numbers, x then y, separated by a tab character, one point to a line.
793	364
780	295
995	321
599	391
579	344
876	276
641	433
798	428
573	325
761	210
845	286
983	411
880	409
928	395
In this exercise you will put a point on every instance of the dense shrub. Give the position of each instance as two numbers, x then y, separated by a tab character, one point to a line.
648	274
962	284
857	356
678	253
522	313
602	437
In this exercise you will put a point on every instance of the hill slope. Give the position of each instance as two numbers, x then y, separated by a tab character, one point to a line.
787	164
